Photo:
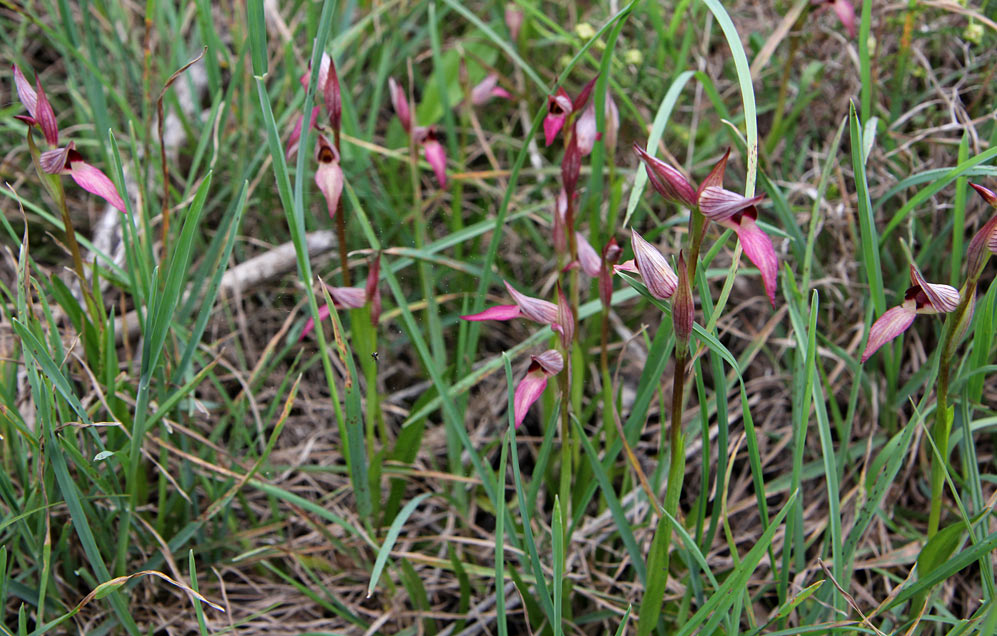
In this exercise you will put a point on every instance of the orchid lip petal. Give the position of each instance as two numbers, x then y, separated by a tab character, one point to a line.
323	313
535	309
95	182
669	182
628	267
329	175
718	204
527	392
552	126
437	158
657	274
888	326
758	247
532	386
348	297
846	14
942	298
498	312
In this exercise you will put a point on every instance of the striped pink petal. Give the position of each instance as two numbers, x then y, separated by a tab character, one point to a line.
716	177
654	269
718	204
588	258
890	325
329	175
669	182
941	298
535	309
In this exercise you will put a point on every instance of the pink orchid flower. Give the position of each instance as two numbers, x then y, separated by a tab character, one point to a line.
531	387
424	136
329	175
729	209
353	298
65	160
558	316
328	87
486	89
560	106
845	11
921	298
652	267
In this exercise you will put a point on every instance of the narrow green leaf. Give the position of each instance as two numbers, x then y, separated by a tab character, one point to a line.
389	540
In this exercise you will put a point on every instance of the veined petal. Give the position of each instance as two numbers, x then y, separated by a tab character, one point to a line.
550	361
348	297
331	95
941	298
487	89
758	247
588	258
716	177
683	305
45	116
527	392
25	93
718	204
983	241
565	319
55	161
669	182
535	309
498	312
571	166
94	181
654	269
890	325
437	158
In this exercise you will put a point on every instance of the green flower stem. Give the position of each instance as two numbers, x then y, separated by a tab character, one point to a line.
955	326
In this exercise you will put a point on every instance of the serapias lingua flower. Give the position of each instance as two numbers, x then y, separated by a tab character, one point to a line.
353	298
558	316
424	136
64	160
559	108
729	209
984	242
531	387
921	298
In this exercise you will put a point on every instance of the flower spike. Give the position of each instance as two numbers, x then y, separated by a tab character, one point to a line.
531	387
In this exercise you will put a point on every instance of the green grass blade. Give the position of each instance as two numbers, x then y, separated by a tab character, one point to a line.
389	540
